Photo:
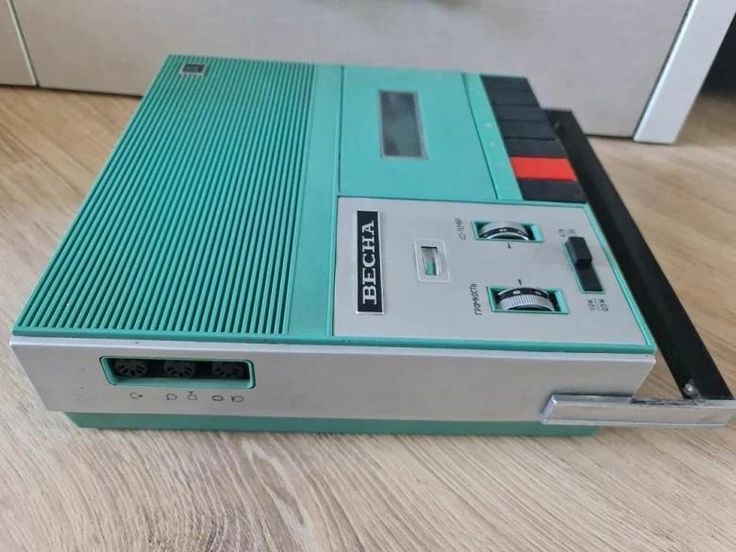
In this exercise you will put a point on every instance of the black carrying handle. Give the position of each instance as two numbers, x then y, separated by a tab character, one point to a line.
687	357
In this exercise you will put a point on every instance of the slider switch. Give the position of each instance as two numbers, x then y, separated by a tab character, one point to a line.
582	261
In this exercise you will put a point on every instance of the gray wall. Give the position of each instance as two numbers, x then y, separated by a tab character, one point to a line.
601	58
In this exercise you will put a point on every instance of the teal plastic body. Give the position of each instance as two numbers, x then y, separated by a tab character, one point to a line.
214	218
322	425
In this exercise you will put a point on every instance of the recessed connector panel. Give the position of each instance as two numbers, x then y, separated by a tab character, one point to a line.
179	372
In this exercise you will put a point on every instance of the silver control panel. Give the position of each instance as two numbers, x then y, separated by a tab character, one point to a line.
487	272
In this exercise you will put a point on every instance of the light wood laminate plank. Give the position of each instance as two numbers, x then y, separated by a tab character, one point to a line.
64	488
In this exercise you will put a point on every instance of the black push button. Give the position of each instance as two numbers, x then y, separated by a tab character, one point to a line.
582	260
494	83
534	130
512	97
557	191
519	147
519	113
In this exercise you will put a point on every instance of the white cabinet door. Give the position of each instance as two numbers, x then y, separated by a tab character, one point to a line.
600	58
692	54
14	66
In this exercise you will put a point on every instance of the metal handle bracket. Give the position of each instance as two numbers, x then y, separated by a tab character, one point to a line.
603	410
707	400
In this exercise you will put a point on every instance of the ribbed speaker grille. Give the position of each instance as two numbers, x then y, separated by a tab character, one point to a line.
190	227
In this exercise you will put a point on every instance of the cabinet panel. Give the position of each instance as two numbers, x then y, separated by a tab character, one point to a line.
600	58
14	67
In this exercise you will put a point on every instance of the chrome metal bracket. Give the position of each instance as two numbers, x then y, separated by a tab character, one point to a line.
617	411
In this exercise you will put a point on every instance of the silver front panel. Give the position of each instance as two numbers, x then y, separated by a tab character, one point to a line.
328	381
455	305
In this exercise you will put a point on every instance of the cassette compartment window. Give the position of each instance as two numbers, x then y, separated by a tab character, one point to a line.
401	126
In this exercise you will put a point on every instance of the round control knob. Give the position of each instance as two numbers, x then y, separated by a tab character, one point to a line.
524	299
504	230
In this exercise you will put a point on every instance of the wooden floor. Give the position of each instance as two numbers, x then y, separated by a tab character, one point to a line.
65	489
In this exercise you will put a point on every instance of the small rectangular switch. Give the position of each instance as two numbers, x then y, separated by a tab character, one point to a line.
579	251
582	261
430	260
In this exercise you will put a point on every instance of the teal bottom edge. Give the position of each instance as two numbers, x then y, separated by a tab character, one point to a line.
319	425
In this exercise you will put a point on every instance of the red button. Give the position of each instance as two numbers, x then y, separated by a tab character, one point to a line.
542	168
